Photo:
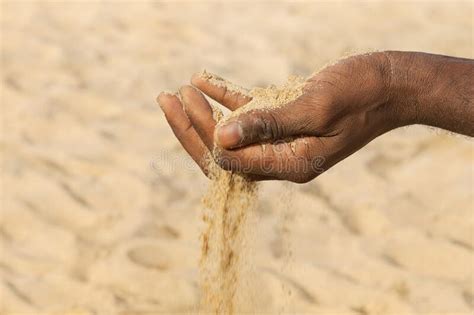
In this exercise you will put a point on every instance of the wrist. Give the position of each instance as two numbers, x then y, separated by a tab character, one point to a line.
406	84
430	89
386	109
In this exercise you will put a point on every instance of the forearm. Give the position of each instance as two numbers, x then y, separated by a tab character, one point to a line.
432	90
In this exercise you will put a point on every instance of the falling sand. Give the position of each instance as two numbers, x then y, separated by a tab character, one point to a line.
227	204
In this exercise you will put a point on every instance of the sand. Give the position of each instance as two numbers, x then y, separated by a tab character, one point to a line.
100	206
227	203
273	96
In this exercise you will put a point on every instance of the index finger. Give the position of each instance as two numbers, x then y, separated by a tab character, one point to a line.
222	91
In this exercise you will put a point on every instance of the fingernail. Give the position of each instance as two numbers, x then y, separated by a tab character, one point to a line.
164	93
229	135
158	99
195	77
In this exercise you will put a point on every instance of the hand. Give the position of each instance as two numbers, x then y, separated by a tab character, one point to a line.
342	108
336	115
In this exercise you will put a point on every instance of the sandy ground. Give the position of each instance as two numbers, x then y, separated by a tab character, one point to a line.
100	205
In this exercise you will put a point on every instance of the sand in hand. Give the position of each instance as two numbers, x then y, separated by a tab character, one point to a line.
227	203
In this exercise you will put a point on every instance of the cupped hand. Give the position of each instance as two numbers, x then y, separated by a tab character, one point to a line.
342	108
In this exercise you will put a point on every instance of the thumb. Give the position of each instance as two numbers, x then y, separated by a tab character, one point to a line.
266	125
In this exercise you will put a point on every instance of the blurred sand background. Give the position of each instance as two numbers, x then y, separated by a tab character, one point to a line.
100	205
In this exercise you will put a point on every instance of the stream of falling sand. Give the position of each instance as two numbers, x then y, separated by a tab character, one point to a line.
227	203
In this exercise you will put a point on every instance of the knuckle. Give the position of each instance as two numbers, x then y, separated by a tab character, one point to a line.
272	126
225	94
228	97
268	166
